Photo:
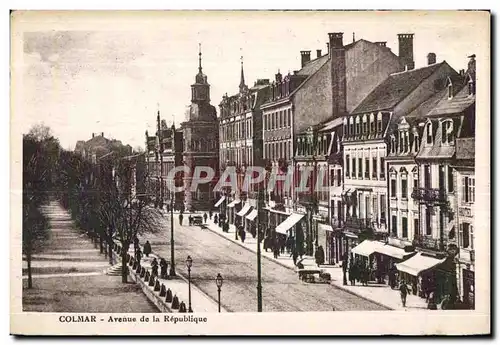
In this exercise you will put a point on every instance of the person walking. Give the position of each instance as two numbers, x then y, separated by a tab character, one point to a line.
210	213
190	219
147	248
181	217
294	256
154	268
344	269
138	256
242	234
216	220
205	216
276	251
403	290
163	268
136	244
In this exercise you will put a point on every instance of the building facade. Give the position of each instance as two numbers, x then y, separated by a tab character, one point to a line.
240	137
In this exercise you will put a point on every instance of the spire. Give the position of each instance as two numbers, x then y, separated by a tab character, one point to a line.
353	37
199	57
242	78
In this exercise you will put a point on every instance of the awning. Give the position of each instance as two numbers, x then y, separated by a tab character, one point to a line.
234	203
325	227
218	203
393	252
252	215
289	222
418	264
350	234
367	247
244	210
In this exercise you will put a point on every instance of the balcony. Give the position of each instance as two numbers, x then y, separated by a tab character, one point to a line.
426	242
358	223
429	195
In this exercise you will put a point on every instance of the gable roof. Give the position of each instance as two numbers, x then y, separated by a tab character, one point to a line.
395	88
313	66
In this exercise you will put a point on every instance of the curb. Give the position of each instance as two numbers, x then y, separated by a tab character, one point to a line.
341	287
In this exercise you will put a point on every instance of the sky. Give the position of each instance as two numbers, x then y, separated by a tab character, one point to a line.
83	73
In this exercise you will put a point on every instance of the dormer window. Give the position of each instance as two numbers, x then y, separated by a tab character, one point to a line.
450	89
429	133
447	132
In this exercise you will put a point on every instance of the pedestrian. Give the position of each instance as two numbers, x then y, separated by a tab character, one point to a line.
147	248
344	269
226	227
276	251
190	219
205	216
168	208
319	256
138	256
136	244
294	256
154	268
242	234
163	268
210	213
216	220
282	244
180	218
403	290
352	273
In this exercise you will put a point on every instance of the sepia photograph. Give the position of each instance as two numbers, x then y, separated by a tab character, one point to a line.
177	166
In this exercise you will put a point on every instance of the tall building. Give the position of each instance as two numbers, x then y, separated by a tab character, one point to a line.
240	138
201	143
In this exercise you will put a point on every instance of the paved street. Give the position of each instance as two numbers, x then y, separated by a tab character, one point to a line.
282	290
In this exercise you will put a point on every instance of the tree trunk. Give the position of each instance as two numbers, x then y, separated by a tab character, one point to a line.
100	245
110	246
124	263
30	279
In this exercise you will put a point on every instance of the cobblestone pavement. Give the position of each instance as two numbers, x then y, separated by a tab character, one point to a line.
281	288
69	275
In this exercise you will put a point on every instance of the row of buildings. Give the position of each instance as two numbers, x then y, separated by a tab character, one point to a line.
393	141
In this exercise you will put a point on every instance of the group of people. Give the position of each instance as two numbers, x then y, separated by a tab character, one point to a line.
137	250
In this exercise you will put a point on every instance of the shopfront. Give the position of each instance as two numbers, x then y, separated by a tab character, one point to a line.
233	207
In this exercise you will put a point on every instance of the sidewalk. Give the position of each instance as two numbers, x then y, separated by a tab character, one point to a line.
69	275
200	302
377	293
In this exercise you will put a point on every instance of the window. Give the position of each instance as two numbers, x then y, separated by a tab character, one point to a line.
450	179
404	225
465	235
357	128
429	133
415	183
394	225
375	207
416	230
382	168
364	127
427	176
353	167
469	189
379	125
360	168
374	167
280	119
450	90
351	129
428	228
367	168
472	87
382	207
393	188
404	188
441	177
339	177
372	126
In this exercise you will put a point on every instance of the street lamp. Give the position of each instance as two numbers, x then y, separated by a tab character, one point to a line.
172	258
218	281
189	263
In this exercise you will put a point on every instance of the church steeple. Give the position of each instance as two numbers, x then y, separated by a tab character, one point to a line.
242	77
200	90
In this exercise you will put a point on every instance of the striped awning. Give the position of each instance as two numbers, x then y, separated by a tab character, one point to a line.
244	210
218	203
252	215
293	219
234	203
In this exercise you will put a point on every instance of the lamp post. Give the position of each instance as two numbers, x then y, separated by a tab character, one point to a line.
172	258
259	227
189	263
218	281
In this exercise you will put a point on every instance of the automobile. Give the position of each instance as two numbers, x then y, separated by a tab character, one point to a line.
197	220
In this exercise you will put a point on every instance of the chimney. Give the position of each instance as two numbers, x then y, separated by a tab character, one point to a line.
327	47
305	57
431	59
93	135
462	72
318	53
102	134
338	74
406	51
